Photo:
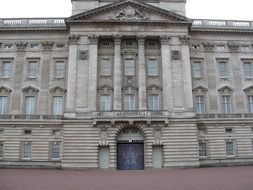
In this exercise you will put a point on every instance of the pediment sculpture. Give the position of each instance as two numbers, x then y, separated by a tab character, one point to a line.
129	14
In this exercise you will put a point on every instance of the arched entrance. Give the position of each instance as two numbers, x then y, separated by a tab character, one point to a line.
130	150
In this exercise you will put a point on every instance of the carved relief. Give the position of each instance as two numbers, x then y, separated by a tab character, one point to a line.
154	89
47	45
157	132
105	90
175	55
208	46
130	90
130	14
199	90
83	54
184	39
93	39
225	90
248	90
73	39
57	89
104	132
165	40
4	89
30	89
21	45
233	46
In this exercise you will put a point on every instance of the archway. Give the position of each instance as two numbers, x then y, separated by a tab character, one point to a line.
130	149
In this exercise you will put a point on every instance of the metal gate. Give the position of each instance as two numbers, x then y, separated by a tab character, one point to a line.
130	156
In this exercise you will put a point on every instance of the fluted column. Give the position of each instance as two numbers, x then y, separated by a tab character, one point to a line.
117	77
142	73
166	73
188	99
93	61
71	89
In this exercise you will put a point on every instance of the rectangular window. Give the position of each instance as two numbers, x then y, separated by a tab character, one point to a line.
6	68
197	70
57	105
247	69
250	104
129	67
27	150
105	67
1	150
202	149
199	104
55	150
152	67
105	103
27	132
153	102
29	105
201	132
226	104
3	105
229	130
59	69
32	69
229	148
129	102
223	69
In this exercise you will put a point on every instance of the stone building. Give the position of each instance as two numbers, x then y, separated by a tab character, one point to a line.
127	85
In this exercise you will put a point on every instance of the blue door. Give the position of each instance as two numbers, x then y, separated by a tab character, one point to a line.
130	156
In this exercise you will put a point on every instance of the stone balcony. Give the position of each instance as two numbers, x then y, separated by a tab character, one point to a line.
224	116
30	117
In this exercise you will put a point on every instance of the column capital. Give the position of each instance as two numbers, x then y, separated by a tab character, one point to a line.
93	39
184	39
165	39
141	39
73	39
117	39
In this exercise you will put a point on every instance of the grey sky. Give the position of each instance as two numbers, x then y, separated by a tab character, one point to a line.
211	9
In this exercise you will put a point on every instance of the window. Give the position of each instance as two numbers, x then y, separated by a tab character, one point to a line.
3	105
105	103
229	148
1	150
229	130
55	150
57	105
56	132
27	150
250	104
247	69
152	67
6	68
60	45
129	67
202	149
1	132
27	132
223	69
221	47
29	105
129	101
226	104
245	47
199	104
34	46
32	69
105	67
201	132
197	70
8	46
153	102
59	69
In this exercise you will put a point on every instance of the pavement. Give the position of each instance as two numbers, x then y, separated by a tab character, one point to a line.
220	178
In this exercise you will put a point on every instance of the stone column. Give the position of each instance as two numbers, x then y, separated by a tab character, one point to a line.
71	89
117	77
166	73
93	61
188	99
142	73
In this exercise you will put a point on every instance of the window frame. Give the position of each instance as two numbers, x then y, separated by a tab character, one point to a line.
246	76
129	102
1	150
105	103
61	105
225	103
57	74
5	109
36	70
223	74
129	70
205	150
105	70
23	149
52	153
152	69
25	104
200	104
154	105
233	148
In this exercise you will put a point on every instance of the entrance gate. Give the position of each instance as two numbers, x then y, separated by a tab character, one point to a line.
130	150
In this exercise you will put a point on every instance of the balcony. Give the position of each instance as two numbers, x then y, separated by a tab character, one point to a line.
224	116
31	117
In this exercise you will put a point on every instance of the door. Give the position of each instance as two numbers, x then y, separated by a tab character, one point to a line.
130	156
157	157
104	157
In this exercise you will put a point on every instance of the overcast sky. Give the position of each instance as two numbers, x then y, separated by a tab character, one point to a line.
209	9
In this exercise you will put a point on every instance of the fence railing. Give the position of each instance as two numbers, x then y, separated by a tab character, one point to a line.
31	117
223	116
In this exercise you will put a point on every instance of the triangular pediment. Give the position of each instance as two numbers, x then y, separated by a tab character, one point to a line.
128	11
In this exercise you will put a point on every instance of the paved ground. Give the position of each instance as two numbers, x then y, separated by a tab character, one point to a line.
227	178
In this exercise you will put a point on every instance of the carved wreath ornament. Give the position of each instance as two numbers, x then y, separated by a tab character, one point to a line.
130	14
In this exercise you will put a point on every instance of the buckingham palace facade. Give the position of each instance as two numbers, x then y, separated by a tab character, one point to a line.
130	84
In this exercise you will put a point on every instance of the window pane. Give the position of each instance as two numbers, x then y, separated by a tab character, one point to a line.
55	150
3	105
32	69
106	67
57	105
105	103
129	67
59	69
202	149
247	68
223	70
250	104
152	67
29	105
153	102
229	148
1	149
27	150
6	69
199	104
226	103
197	70
129	102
